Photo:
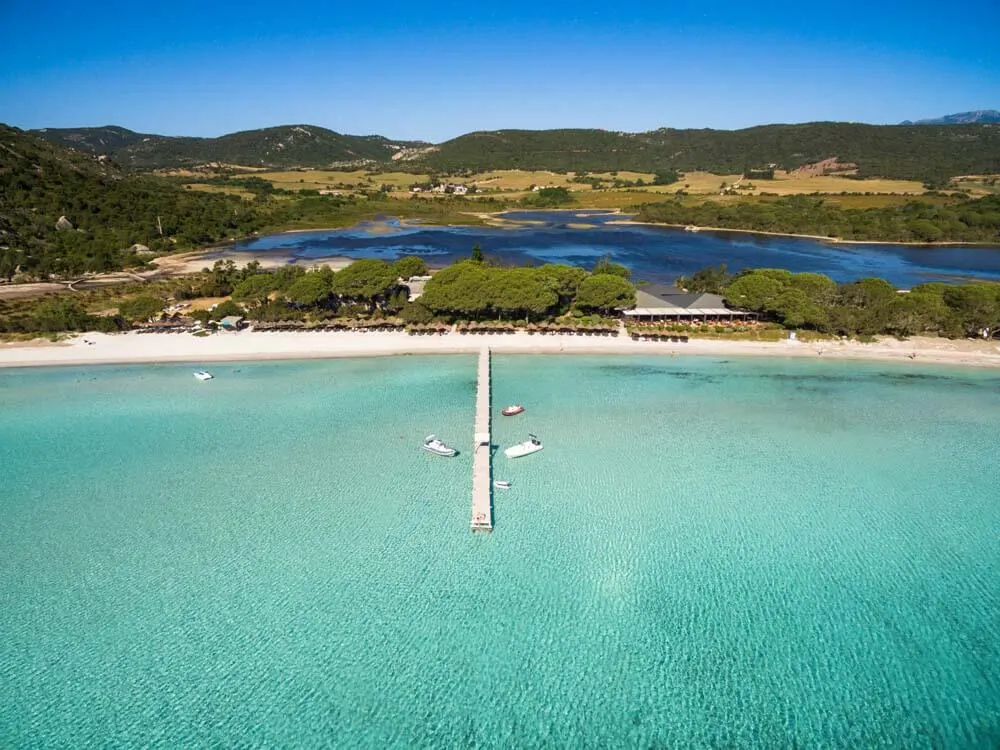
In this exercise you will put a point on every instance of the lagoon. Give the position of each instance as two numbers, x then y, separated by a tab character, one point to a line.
749	553
655	254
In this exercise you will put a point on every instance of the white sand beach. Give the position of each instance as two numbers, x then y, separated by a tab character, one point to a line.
252	345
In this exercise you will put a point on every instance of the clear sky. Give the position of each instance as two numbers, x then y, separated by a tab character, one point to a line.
433	69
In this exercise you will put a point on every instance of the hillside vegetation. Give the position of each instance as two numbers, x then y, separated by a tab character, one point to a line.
927	153
105	212
283	146
64	212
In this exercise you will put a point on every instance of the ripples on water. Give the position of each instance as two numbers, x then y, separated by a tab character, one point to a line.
705	554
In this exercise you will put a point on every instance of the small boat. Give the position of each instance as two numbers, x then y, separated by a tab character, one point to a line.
510	411
692	228
438	447
529	446
203	375
501	484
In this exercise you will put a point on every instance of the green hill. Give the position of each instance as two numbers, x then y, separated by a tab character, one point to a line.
106	140
930	153
925	152
106	211
282	146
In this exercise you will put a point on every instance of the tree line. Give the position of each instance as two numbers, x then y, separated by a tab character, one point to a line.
916	221
471	289
866	307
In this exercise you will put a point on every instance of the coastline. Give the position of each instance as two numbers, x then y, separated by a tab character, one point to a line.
498	220
150	348
818	237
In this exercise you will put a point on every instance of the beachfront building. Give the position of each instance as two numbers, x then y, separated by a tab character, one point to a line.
232	323
662	302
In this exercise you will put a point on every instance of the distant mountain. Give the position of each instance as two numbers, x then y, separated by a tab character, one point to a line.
282	146
962	118
929	153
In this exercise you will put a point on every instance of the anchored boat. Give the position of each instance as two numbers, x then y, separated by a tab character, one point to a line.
526	448
203	375
501	484
438	447
510	411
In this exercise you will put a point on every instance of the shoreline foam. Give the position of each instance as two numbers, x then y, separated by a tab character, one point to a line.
149	348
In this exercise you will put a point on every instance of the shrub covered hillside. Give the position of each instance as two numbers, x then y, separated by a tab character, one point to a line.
930	153
62	212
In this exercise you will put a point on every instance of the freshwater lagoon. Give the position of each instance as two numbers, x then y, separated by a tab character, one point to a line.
752	553
655	254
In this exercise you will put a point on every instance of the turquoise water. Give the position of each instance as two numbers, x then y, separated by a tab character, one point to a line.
706	554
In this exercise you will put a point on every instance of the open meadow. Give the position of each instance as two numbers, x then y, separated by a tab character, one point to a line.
516	182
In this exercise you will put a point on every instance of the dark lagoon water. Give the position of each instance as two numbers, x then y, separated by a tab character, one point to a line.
653	253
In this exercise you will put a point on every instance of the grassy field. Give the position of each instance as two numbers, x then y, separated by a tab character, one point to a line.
430	211
322	179
510	186
785	183
521	181
233	190
979	184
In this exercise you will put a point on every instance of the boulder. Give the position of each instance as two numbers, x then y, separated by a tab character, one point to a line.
64	223
137	248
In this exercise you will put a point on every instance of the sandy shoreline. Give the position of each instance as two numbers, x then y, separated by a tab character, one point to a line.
250	345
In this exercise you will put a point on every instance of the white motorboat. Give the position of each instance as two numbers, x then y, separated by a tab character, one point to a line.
529	446
203	375
438	447
501	484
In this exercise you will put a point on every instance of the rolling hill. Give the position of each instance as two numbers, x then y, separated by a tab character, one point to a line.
930	153
282	146
68	212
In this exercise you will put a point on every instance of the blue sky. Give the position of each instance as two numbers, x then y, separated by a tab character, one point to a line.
434	70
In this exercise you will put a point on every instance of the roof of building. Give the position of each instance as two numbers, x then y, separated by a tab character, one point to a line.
660	299
232	320
661	295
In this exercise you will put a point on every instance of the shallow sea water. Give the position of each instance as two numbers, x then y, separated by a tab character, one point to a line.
707	553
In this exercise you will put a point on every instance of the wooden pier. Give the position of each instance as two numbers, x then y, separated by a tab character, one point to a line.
482	484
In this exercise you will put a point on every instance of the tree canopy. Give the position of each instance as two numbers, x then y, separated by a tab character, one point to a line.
957	219
605	293
868	306
474	290
409	266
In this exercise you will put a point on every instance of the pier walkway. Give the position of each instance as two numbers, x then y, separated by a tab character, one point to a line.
482	485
